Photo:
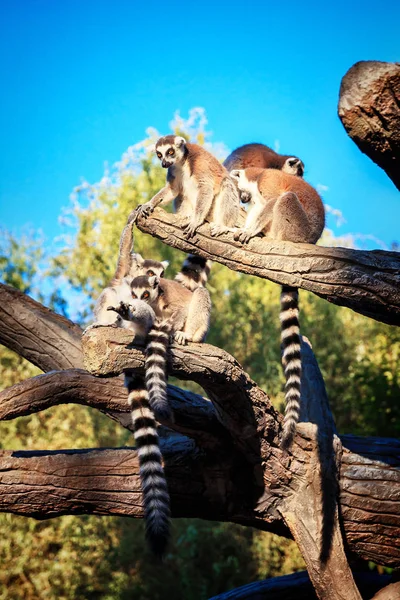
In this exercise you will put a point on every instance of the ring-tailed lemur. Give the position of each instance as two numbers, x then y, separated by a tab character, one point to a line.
283	207
188	312
129	265
261	156
201	186
144	397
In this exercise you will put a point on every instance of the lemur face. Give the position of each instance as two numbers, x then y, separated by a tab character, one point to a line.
149	267
145	288
294	166
246	188
170	150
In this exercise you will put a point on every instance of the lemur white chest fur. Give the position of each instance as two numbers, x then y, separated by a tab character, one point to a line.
187	187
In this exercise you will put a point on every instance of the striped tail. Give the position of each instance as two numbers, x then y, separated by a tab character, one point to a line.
291	361
154	485
194	272
156	368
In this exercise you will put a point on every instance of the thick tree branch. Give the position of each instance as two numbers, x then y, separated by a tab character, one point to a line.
48	484
35	332
311	513
106	482
369	108
368	282
194	415
243	409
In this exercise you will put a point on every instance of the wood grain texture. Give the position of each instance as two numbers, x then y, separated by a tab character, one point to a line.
369	108
368	282
35	332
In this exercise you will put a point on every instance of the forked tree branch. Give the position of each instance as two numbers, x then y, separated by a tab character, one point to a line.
368	282
194	415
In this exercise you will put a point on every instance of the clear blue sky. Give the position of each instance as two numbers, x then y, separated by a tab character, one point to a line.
81	81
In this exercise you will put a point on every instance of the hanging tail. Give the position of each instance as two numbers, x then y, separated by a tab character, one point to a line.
194	272
154	485
156	368
291	361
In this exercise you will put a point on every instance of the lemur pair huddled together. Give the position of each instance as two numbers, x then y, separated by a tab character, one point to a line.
154	309
282	207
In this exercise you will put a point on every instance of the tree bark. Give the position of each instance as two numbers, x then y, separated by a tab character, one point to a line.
251	483
38	334
368	282
369	108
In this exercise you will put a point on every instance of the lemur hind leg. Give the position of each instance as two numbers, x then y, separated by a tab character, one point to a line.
225	214
198	318
258	220
203	205
289	220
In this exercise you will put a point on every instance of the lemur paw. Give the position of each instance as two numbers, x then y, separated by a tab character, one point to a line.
180	338
97	325
123	310
143	210
190	230
92	326
242	236
216	230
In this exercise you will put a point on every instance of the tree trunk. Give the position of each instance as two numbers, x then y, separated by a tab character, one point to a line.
369	108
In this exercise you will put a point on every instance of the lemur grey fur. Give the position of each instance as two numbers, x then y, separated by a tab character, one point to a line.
154	486
261	156
284	207
129	266
199	184
189	312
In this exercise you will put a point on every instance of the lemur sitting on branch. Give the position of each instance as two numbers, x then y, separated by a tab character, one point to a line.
129	265
260	155
283	207
188	311
199	184
154	486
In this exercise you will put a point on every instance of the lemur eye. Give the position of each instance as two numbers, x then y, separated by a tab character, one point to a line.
150	273
171	152
159	154
134	296
145	295
162	274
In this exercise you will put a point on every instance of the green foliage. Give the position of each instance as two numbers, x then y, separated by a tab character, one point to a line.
106	558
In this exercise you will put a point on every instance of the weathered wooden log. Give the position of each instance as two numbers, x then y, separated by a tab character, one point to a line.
368	282
258	485
38	334
369	108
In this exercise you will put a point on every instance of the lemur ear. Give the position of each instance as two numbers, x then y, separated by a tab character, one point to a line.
235	174
138	258
179	141
154	281
165	263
